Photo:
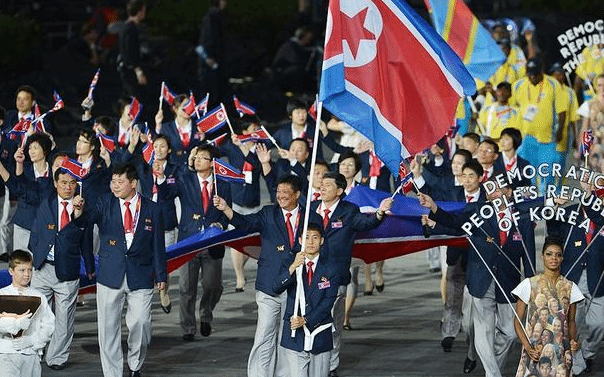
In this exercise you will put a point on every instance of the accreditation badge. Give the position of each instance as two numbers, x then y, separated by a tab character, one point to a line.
531	113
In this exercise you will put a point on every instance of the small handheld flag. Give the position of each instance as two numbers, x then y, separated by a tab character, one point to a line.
59	104
148	153
189	106
226	172
406	178
313	111
587	140
202	107
107	141
260	135
95	79
135	109
219	140
212	121
243	108
73	168
166	94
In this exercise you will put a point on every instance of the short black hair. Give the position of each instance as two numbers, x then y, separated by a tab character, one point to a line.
545	360
464	153
126	168
292	180
209	148
93	140
246	120
294	104
316	227
42	140
107	122
164	138
29	89
134	6
474	165
473	135
515	134
303	140
553	239
350	154
121	103
59	154
492	143
338	178
322	163
178	100
58	173
505	85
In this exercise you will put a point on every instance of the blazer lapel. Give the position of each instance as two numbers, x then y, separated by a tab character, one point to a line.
54	210
140	221
117	214
280	223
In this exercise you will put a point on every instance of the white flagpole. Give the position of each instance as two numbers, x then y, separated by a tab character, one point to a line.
214	177
207	99
270	137
300	289
227	118
161	94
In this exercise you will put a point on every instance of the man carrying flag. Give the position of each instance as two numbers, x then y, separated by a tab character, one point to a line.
195	190
379	50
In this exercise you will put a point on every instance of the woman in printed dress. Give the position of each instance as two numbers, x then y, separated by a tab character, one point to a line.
547	356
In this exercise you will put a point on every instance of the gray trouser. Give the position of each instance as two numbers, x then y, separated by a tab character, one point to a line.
211	290
433	256
456	279
20	365
467	323
494	331
7	211
20	237
337	312
305	364
109	304
65	295
266	352
594	321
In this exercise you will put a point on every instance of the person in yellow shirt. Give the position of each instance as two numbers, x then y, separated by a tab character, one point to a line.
543	105
592	66
500	114
570	128
508	72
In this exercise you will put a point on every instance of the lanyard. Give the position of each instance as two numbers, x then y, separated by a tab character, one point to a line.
528	91
136	213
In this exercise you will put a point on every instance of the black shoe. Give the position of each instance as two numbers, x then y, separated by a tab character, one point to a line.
188	337
135	373
166	309
205	329
57	366
589	363
4	257
435	270
469	365
237	290
333	373
380	288
447	343
368	293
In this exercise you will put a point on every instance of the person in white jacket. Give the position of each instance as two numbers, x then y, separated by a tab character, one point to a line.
23	336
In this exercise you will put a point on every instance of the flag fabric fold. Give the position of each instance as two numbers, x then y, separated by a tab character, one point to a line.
388	74
212	121
454	21
73	168
226	172
243	108
166	94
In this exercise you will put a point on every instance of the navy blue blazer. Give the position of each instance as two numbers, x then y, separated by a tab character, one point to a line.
478	277
180	154
320	296
193	219
145	174
340	233
244	194
270	223
28	201
383	180
96	183
69	244
283	137
521	163
592	260
145	261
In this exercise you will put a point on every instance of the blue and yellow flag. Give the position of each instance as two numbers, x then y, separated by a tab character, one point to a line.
454	21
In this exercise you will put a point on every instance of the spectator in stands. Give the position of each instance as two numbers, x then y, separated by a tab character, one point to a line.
129	64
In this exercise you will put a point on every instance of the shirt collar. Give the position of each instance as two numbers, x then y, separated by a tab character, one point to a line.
322	207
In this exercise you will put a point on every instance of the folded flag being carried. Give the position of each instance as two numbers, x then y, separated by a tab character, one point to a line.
212	121
107	141
73	168
226	172
166	94
379	50
243	108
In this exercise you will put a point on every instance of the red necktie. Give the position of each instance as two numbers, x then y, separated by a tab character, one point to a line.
470	198
122	141
185	139
503	235
485	176
326	218
316	195
127	219
205	197
154	188
309	271
590	234
509	166
64	215
290	230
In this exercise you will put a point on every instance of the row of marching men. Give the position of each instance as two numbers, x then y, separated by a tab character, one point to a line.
118	181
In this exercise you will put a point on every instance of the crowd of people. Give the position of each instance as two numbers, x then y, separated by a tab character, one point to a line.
123	209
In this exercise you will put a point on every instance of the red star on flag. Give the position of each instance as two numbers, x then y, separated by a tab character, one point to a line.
355	31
